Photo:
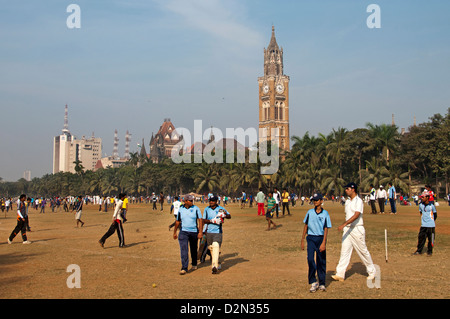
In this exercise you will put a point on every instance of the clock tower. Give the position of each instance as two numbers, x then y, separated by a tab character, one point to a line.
274	97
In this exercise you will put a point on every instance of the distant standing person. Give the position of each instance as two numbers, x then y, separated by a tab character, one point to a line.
354	235
317	222
174	208
117	224
277	197
381	197
428	216
21	221
161	200
372	198
285	201
260	200
78	208
124	207
154	200
392	198
430	191
28	204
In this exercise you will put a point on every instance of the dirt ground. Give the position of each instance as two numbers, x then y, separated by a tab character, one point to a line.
258	264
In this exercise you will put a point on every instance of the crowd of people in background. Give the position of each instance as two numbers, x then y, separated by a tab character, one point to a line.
376	198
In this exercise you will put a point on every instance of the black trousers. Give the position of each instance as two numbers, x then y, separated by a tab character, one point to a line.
286	205
372	205
20	227
424	234
115	226
381	204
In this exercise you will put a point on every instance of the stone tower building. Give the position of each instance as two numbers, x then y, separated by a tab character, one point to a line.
274	96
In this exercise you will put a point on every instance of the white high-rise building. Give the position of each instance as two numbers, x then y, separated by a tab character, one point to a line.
67	150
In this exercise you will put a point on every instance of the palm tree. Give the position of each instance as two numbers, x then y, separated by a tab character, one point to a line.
386	137
335	146
206	178
375	174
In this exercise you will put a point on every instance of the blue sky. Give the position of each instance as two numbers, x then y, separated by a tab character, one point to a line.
134	63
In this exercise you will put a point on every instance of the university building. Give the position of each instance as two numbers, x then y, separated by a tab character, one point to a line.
274	96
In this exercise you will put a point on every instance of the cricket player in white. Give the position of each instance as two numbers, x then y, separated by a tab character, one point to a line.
354	235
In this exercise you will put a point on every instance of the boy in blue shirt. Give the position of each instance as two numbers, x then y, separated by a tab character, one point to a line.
317	221
213	217
428	215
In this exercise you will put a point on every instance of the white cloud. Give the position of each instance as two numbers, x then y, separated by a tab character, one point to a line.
223	20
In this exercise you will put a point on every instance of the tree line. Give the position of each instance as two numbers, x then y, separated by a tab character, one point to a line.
375	154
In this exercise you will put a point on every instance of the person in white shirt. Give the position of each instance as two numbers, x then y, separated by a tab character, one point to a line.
174	208
381	197
354	235
116	224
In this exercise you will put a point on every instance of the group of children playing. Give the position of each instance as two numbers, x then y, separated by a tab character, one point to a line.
317	222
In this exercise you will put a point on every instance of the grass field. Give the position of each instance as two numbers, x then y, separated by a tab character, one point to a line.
258	264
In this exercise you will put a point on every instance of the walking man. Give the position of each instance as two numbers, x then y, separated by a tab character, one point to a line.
213	217
21	221
78	208
190	220
117	224
354	235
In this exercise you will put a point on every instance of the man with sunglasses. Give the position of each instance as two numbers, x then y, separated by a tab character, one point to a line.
354	235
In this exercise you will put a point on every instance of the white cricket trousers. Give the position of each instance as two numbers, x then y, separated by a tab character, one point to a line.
354	237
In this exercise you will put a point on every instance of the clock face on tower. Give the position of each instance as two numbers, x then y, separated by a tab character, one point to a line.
280	88
265	89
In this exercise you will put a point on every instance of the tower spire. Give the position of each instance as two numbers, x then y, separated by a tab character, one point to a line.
66	120
116	145
127	145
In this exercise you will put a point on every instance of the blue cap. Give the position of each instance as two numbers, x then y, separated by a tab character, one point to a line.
317	196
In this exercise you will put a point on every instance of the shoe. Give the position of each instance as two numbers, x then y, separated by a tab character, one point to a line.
215	271
337	278
194	268
183	272
429	254
9	242
101	244
314	287
322	288
417	253
26	242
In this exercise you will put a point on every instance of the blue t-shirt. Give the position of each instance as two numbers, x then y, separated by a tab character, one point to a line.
427	214
209	214
317	222
392	192
188	218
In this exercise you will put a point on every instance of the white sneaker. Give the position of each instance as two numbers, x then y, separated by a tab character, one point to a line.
322	288
314	287
26	242
9	242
